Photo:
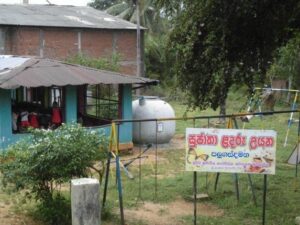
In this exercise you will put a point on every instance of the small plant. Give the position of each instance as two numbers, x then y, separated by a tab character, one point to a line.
49	159
109	63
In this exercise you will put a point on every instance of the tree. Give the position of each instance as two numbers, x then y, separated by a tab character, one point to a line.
149	14
157	27
158	58
50	158
103	4
287	62
221	43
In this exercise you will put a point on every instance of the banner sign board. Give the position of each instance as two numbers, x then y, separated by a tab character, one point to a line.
230	150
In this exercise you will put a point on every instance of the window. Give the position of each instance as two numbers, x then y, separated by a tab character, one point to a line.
102	102
40	96
56	96
39	107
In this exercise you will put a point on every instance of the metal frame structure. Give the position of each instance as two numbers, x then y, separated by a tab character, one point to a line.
293	107
232	118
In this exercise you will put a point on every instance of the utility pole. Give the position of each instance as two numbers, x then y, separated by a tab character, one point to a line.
138	42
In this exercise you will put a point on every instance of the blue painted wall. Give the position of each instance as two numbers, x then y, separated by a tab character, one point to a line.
71	104
126	128
7	137
5	117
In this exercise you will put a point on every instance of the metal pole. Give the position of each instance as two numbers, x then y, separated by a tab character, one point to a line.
298	147
236	181
291	119
278	89
106	179
267	113
249	176
140	163
156	161
236	175
216	181
252	190
119	180
120	190
138	38
264	200
195	198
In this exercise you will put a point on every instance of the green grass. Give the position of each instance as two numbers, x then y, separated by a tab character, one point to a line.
282	199
173	182
283	189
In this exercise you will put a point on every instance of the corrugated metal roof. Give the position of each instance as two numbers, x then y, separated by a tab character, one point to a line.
16	71
60	16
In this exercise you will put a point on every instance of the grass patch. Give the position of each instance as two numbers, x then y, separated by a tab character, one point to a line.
174	183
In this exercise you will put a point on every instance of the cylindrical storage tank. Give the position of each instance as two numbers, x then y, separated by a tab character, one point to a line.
149	107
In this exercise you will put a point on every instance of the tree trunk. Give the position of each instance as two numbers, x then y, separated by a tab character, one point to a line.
222	110
289	87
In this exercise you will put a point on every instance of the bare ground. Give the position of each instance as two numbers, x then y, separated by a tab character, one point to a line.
148	212
9	217
169	214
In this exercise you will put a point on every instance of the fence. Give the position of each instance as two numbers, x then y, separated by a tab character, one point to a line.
197	121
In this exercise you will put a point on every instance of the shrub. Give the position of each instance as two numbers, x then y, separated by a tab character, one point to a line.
105	63
51	158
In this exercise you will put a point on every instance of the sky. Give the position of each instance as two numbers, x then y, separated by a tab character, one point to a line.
57	2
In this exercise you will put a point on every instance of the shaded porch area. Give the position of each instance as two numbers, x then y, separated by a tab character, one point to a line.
43	93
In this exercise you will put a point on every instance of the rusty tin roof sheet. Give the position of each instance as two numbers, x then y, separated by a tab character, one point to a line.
16	71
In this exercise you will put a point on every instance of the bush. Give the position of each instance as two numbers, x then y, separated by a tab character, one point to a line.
109	63
54	212
50	159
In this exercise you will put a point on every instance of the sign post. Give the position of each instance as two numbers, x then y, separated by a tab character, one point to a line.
195	197
264	200
231	151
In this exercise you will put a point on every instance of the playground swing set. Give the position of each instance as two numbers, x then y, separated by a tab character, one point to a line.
232	123
265	96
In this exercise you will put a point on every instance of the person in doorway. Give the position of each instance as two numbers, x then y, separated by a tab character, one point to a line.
24	120
33	120
15	117
56	115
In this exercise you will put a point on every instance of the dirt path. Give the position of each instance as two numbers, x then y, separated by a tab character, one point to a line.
148	213
169	214
9	217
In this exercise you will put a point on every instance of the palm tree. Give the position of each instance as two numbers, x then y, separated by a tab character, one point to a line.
103	4
150	16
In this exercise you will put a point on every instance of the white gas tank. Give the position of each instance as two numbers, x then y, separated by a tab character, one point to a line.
149	107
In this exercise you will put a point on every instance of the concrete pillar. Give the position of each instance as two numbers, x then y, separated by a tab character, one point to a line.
2	40
297	220
5	117
41	43
85	201
126	128
71	104
79	37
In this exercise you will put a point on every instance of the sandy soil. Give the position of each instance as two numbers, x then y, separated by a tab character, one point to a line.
8	217
148	212
169	214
